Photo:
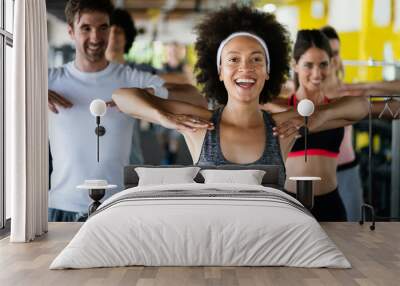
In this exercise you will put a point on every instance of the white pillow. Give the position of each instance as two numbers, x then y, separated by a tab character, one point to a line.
248	177
165	176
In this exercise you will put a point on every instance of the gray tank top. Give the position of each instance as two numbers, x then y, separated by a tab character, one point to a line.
211	153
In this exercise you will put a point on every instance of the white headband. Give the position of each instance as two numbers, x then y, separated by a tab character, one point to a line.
237	34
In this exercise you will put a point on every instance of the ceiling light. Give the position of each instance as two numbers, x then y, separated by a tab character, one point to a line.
269	8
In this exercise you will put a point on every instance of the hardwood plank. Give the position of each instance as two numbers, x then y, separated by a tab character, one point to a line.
374	255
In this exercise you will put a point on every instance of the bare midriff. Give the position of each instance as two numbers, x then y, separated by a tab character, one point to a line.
316	166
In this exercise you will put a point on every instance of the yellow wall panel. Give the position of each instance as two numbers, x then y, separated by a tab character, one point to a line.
306	20
349	50
358	45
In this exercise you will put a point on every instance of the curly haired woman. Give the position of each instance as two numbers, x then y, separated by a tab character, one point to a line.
243	60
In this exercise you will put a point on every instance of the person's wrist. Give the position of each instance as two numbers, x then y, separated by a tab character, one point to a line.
160	115
319	118
164	118
324	115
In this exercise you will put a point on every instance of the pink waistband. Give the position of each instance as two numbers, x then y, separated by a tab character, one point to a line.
314	152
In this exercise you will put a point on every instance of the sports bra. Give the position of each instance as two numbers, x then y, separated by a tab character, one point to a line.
211	153
324	143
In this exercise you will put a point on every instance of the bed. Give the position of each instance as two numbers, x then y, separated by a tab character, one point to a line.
201	224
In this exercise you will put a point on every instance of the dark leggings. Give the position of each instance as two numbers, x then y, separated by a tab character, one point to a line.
328	207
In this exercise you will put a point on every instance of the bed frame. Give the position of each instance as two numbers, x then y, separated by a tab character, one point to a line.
271	177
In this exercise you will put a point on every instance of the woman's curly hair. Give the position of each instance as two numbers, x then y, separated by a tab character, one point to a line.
218	26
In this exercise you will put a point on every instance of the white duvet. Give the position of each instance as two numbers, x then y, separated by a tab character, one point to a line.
184	230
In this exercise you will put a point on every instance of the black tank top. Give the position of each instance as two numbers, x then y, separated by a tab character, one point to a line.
211	153
324	143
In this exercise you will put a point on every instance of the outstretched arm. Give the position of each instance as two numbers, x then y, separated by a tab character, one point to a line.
373	88
381	109
342	112
56	101
185	93
276	106
171	114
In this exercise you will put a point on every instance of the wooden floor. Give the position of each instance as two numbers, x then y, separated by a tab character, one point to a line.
374	255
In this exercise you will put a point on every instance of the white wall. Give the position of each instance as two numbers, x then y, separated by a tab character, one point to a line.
289	16
382	12
180	30
397	16
345	15
57	32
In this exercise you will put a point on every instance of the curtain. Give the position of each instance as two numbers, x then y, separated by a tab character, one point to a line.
26	123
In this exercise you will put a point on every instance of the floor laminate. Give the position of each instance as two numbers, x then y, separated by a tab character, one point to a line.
374	255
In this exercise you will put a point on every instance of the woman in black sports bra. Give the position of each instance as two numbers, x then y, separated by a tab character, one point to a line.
312	54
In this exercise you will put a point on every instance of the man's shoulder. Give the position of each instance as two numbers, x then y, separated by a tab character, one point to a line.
125	69
131	73
130	68
143	67
118	70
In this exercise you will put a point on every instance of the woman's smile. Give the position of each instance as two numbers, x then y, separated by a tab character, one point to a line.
245	83
243	68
